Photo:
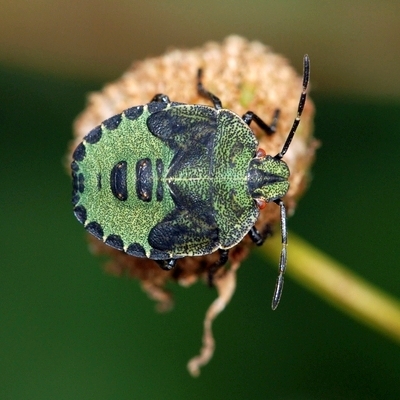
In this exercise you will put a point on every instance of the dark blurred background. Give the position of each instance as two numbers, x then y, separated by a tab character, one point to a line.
70	331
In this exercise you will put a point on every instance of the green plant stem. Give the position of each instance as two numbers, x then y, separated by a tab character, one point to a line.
338	285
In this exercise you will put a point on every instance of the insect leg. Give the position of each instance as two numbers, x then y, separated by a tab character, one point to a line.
268	129
205	93
160	98
166	265
223	258
259	237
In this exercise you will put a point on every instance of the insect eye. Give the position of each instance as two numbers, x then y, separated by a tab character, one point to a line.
261	153
261	203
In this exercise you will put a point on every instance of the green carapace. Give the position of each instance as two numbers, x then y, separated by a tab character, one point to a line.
167	180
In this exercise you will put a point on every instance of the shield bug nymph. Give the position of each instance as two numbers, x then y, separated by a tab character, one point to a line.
166	180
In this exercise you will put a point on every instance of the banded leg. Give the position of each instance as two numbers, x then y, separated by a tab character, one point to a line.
268	129
223	259
205	93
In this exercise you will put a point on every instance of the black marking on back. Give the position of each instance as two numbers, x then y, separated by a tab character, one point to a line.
179	126
156	106
133	112
95	229
94	135
160	187
80	152
75	184
156	254
74	166
135	249
184	230
115	241
118	182
81	183
80	214
113	122
99	183
144	179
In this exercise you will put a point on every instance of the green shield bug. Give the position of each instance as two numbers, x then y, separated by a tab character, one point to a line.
167	180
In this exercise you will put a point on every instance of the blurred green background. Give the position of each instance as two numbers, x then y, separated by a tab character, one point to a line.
70	331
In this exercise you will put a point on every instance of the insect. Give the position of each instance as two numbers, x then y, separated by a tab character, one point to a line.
166	180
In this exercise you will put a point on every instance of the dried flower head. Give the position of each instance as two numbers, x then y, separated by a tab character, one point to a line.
245	76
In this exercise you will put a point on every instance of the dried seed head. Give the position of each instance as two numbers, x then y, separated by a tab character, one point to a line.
245	76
